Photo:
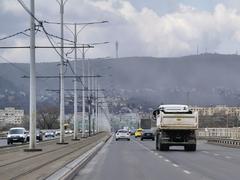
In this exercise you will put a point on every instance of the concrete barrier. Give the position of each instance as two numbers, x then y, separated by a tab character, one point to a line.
225	142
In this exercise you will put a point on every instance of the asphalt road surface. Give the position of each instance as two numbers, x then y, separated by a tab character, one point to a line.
135	159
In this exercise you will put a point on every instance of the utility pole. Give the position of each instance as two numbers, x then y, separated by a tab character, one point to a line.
83	93
89	99
97	118
116	49
75	85
62	110
96	104
33	111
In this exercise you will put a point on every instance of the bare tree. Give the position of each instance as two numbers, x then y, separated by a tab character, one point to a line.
47	118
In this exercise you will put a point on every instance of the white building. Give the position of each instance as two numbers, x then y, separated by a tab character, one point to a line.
10	115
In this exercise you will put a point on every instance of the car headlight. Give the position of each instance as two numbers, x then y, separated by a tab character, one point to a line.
8	136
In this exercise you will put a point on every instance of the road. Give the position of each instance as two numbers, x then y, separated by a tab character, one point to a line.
139	160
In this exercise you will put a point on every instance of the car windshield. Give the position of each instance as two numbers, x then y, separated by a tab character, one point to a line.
16	131
122	131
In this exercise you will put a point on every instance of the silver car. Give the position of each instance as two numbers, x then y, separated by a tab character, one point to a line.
17	134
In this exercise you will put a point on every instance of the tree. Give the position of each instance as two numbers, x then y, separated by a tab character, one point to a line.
47	117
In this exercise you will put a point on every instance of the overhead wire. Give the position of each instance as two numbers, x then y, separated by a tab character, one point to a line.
15	34
48	35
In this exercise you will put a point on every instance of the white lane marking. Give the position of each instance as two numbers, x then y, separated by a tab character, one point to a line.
215	154
175	165
156	154
166	160
186	171
228	157
160	156
205	152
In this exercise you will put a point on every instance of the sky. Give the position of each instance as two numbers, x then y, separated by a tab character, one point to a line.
157	28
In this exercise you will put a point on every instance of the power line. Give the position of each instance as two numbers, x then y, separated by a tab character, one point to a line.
15	34
52	35
43	28
27	10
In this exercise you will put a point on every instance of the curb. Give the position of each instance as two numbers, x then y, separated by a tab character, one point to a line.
70	170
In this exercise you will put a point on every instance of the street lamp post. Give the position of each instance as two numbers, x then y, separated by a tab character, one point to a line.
75	34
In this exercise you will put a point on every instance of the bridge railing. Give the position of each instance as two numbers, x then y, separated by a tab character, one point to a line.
226	133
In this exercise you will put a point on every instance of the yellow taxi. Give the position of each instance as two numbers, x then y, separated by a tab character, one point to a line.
138	132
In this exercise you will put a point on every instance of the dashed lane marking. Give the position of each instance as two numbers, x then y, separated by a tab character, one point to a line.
186	171
166	160
175	165
228	157
215	154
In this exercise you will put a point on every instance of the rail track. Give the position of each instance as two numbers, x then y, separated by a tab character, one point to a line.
30	165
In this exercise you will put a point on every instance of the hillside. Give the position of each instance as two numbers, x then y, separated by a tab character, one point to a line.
199	80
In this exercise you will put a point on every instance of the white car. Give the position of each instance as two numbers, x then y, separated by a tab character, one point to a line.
122	134
50	134
18	134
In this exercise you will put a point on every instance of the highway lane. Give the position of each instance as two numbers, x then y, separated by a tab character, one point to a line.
210	161
133	159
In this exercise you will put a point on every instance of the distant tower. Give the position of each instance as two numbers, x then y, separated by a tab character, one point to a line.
116	49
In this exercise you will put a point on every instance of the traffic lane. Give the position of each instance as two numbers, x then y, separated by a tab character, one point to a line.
210	165
218	150
120	160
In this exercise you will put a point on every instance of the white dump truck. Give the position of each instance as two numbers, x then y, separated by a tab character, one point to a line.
176	126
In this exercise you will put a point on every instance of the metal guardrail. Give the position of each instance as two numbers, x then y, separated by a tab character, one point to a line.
225	142
226	133
3	135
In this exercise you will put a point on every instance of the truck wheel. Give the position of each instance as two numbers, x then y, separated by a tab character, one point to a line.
190	147
153	139
157	143
164	147
141	139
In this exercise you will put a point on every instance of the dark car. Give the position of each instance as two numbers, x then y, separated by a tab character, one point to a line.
147	134
39	135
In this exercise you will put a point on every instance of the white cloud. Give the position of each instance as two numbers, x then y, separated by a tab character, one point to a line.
11	7
144	32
